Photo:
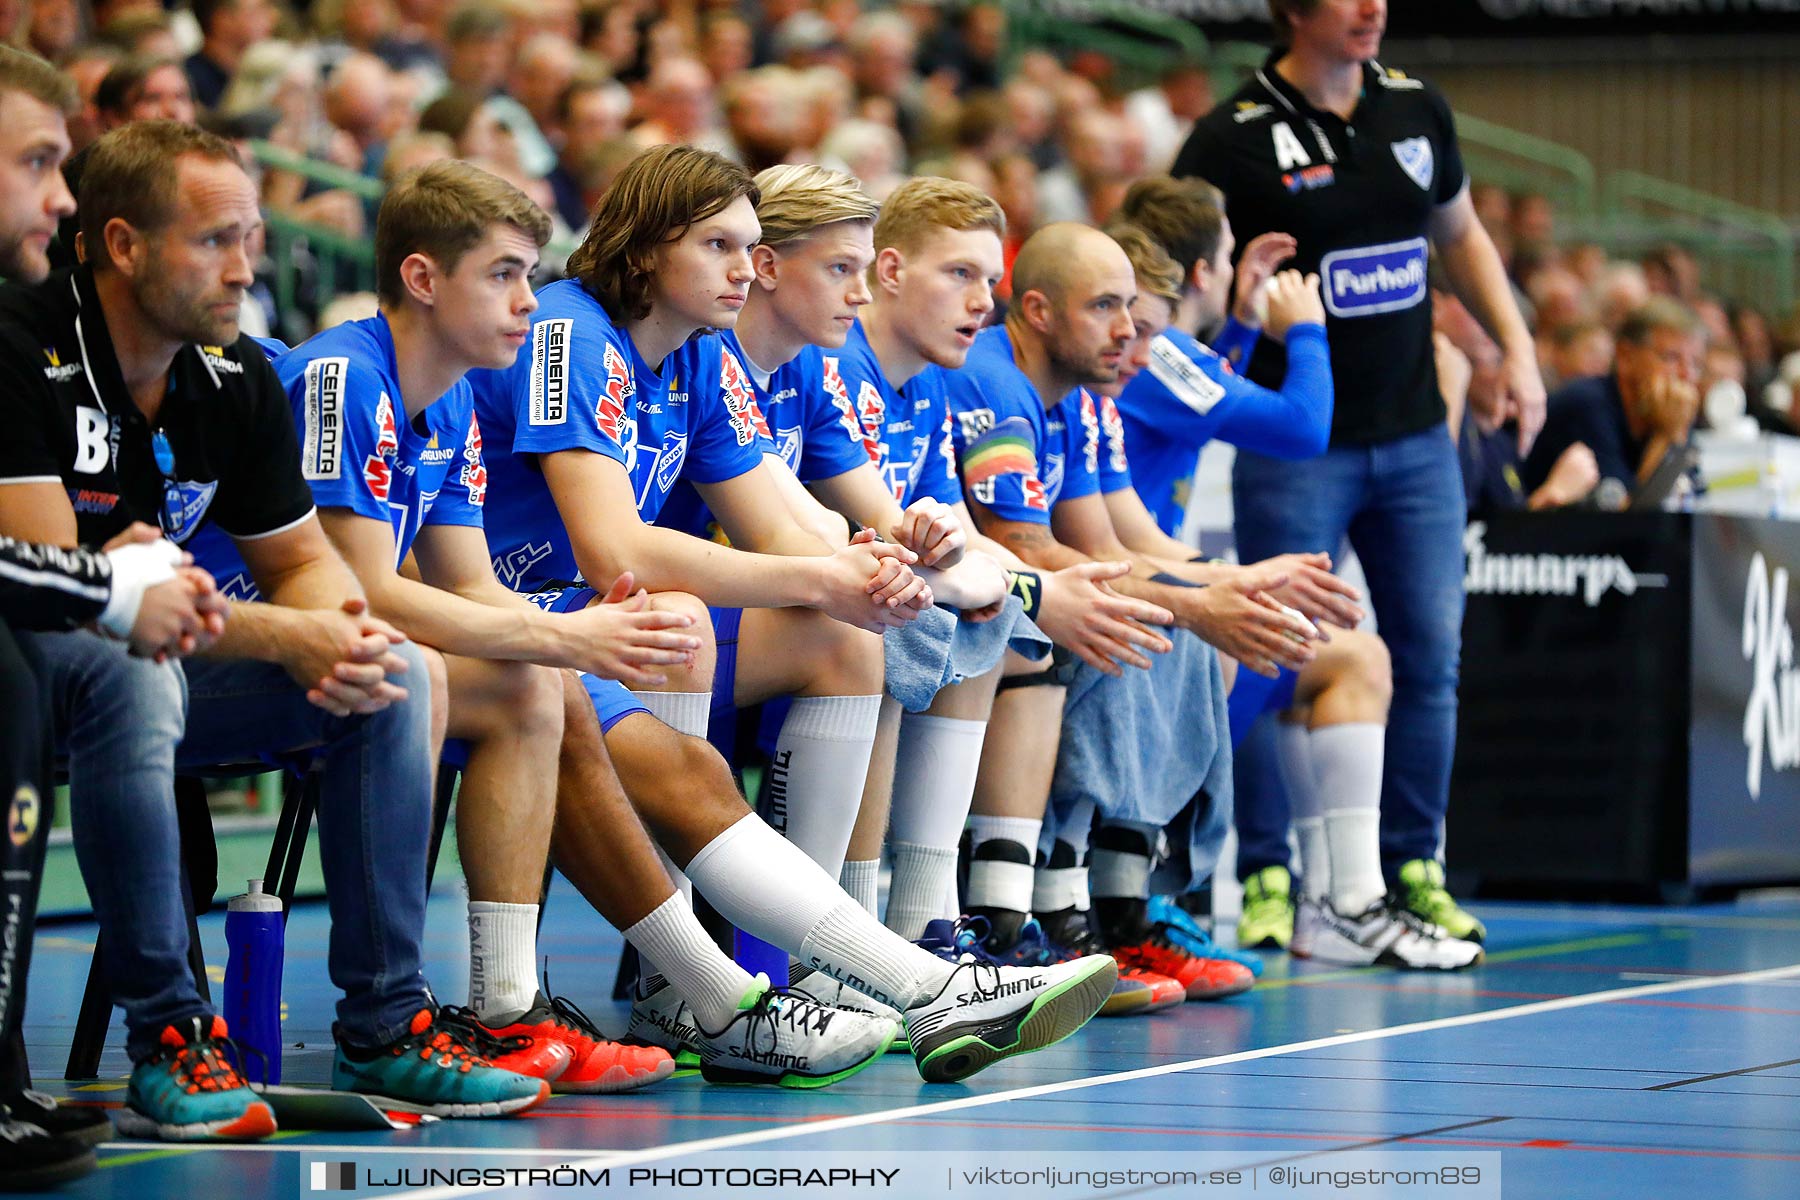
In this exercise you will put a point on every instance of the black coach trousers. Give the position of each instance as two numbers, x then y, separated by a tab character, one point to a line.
26	756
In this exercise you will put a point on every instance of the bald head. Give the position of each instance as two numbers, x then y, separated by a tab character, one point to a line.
1067	257
1073	287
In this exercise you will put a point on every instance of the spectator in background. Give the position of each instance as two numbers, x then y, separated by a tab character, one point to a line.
410	151
87	67
1031	115
1622	289
1756	344
1094	144
1167	112
140	31
765	117
144	89
1578	350
56	27
1672	270
479	39
727	45
358	101
678	106
969	52
590	112
1634	416
1472	382
1533	219
463	115
543	70
882	48
228	28
869	150
1493	208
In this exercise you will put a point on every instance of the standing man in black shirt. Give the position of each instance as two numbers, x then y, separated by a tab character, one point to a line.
129	395
1360	164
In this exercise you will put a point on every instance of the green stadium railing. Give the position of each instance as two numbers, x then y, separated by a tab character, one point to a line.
1141	42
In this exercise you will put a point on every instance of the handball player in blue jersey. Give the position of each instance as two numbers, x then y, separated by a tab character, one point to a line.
1334	709
586	435
877	454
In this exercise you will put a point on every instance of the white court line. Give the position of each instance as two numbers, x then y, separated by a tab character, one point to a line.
755	1137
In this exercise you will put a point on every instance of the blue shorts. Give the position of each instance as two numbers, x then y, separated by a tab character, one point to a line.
1253	695
721	725
613	701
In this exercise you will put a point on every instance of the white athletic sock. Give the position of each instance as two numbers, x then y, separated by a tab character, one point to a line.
861	877
1347	762
816	777
1023	830
693	964
502	959
923	876
1293	748
764	885
684	712
934	779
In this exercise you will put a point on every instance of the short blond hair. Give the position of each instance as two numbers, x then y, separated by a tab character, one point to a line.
922	205
1156	272
798	199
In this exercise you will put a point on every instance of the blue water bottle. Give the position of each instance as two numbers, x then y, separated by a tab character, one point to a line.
254	935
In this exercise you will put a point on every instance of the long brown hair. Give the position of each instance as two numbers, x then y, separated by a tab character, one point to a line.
658	196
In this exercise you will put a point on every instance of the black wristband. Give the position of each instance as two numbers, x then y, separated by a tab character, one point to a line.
1029	588
1205	558
1168	580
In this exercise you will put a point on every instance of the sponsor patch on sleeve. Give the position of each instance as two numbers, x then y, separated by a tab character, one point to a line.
1186	380
550	371
1367	280
474	476
609	409
322	444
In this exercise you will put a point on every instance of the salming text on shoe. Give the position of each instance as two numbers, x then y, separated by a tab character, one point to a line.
188	1090
816	985
437	1067
32	1159
1267	921
660	1017
985	1013
83	1122
522	1054
1421	891
1187	932
1385	935
782	1037
596	1064
1151	949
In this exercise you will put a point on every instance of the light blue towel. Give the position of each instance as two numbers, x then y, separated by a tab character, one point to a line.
940	649
1141	746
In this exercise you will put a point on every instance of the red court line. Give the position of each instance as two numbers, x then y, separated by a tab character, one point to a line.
1655	1151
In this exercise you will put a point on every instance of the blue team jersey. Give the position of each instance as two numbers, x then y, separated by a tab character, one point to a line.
581	385
805	431
358	450
904	432
1189	395
1016	458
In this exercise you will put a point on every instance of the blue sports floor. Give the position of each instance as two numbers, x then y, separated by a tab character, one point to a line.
1604	1052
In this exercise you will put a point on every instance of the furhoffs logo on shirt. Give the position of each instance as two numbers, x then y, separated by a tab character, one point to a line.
1366	280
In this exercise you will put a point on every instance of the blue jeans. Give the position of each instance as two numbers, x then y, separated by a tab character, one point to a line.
120	720
1401	505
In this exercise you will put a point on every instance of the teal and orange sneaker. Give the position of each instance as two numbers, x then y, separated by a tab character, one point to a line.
438	1067
1191	936
1421	892
188	1091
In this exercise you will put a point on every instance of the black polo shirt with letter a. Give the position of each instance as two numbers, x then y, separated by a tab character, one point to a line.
1358	196
69	420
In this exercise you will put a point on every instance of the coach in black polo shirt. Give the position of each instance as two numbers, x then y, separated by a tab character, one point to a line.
128	395
1360	164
